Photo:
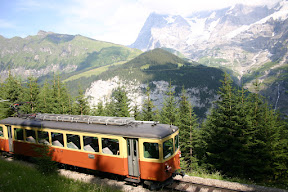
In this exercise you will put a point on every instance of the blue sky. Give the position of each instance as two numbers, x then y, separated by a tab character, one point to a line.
117	21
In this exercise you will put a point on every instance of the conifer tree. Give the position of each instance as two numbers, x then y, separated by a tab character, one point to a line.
169	110
224	132
46	100
60	96
109	109
81	105
267	143
136	112
99	110
12	90
187	123
121	102
147	109
31	94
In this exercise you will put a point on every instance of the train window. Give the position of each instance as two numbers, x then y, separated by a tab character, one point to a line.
110	146
57	139
91	144
43	137
18	134
151	150
176	140
30	136
168	148
73	141
1	132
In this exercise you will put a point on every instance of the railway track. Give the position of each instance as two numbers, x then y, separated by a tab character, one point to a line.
188	183
181	185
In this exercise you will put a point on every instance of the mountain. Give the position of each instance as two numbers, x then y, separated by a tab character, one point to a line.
249	41
49	52
158	68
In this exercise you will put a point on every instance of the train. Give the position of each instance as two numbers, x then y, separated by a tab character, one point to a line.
142	151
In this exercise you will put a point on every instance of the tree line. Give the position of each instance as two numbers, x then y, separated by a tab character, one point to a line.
241	137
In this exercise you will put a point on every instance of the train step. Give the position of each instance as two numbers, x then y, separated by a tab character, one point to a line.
131	180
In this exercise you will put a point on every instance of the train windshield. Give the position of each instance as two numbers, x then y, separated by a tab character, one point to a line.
168	148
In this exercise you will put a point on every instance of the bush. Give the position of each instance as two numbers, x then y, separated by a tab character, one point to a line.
44	162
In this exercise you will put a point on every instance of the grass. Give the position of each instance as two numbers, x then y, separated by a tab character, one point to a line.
91	72
15	177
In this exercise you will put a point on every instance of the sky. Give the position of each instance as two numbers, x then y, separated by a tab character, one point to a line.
116	21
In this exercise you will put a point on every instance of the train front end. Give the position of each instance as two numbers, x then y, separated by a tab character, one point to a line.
160	158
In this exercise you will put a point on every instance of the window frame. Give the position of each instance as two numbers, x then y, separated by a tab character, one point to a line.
157	149
23	134
68	141
26	135
38	138
63	144
118	152
93	137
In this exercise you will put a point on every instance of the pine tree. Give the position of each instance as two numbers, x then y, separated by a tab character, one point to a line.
121	102
12	90
169	110
109	109
187	123
266	147
147	109
136	112
224	132
62	102
81	105
99	110
46	100
31	94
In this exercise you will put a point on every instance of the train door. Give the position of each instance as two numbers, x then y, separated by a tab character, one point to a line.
10	138
133	157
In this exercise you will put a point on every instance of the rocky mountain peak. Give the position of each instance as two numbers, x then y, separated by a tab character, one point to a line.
43	33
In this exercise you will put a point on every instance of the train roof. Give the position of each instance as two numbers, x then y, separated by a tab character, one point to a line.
132	129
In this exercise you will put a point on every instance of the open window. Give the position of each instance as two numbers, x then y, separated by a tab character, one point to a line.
30	136
151	150
57	139
43	137
73	141
110	146
168	148
19	134
91	144
1	132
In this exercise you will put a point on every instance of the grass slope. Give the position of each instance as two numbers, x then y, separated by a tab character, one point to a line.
16	177
45	49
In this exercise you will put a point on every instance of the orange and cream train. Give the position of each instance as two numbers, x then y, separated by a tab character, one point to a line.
139	150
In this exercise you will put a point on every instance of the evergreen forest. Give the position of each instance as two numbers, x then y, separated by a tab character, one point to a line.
241	137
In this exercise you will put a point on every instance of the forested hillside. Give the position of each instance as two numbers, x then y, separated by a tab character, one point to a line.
156	69
242	136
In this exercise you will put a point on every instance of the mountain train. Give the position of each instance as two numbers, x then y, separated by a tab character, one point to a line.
143	152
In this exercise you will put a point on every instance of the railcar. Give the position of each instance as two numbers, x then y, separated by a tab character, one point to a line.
139	150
